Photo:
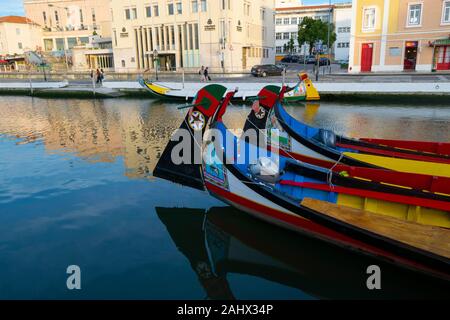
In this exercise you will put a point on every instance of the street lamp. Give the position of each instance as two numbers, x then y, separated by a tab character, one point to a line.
328	36
50	5
155	61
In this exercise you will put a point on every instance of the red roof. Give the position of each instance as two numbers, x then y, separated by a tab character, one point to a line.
15	19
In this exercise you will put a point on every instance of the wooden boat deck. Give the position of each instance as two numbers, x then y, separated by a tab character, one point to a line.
429	238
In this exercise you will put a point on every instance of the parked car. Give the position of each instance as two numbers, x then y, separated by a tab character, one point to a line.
311	59
266	70
281	65
291	59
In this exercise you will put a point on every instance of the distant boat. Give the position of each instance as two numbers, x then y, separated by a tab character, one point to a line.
303	90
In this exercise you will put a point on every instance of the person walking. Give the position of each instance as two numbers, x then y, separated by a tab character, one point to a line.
206	75
102	76
98	76
201	72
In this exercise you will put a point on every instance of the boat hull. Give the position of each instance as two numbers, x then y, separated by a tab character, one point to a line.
299	143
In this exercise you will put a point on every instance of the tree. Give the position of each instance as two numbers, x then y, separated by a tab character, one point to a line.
310	31
290	46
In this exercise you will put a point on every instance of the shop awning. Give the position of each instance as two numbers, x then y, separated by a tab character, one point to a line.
441	42
3	62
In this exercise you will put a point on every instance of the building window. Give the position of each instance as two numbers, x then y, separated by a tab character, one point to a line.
195	6
56	18
131	14
344	29
446	12
44	15
294	20
71	42
48	44
279	49
123	63
278	36
263	14
286	35
286	21
278	21
20	45
156	10
81	17
170	9
294	35
414	14
224	5
369	18
148	11
196	36
179	8
203	5
246	9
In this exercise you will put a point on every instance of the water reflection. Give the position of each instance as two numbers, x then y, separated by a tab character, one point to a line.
222	242
66	195
138	130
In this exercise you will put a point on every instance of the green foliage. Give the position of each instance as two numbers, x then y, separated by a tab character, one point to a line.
290	45
311	31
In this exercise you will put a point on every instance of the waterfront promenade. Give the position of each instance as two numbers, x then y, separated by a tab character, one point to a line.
331	86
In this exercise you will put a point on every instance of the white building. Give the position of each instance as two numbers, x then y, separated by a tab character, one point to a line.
290	13
342	23
288	16
225	35
72	23
17	36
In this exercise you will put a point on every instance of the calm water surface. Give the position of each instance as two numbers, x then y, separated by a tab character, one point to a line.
76	187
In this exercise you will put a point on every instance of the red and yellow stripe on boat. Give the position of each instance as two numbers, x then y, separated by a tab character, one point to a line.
404	165
419	210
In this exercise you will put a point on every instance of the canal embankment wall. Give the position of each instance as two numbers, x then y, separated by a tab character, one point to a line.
395	91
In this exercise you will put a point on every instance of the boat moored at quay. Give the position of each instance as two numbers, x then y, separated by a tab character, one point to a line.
310	199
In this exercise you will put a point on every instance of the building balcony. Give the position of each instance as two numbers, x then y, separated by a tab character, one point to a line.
48	31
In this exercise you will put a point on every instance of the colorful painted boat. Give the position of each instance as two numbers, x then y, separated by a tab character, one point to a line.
305	198
301	91
309	200
303	141
262	111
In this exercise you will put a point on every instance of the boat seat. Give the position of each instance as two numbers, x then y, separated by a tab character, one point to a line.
327	137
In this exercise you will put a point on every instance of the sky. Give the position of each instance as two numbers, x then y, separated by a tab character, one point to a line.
11	7
15	7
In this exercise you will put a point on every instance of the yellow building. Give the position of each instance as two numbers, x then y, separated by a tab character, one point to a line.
400	35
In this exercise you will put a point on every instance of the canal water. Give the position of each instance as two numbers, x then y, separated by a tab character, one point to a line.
76	188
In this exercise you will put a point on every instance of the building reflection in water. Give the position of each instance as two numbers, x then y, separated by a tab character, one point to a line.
138	130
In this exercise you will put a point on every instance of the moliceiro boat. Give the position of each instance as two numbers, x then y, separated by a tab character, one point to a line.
301	91
325	148
316	201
